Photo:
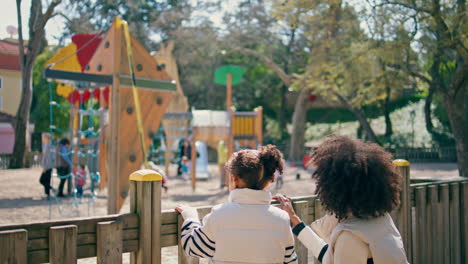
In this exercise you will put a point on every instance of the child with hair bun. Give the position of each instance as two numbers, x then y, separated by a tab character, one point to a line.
246	229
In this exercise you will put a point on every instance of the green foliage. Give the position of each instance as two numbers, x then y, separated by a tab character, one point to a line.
40	108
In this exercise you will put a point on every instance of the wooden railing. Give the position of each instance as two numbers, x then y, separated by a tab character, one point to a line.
432	220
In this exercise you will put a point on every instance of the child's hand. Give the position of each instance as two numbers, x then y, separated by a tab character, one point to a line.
286	205
187	212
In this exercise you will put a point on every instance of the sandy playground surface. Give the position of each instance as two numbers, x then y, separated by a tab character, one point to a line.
22	198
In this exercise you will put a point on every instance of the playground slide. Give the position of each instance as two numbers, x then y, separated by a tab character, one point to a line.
202	172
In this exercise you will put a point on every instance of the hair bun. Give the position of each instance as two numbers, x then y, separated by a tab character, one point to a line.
272	159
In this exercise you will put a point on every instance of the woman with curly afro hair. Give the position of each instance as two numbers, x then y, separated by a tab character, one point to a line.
358	186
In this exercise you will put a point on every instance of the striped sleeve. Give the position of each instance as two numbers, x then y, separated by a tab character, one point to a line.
290	255
196	239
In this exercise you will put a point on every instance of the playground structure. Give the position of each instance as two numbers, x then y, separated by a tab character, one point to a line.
133	78
432	220
237	129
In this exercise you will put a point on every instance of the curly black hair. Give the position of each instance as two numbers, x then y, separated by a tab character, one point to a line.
256	167
355	177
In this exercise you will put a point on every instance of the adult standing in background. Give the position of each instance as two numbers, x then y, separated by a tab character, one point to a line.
64	165
46	164
222	158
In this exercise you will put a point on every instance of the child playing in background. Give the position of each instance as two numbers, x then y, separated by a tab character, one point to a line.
247	229
80	180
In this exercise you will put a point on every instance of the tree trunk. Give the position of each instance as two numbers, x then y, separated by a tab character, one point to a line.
359	114
296	148
388	121
21	124
37	23
457	112
282	110
427	110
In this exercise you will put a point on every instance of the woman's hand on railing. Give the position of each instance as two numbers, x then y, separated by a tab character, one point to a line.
286	205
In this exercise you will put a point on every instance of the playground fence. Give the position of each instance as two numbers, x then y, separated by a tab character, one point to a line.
33	160
432	219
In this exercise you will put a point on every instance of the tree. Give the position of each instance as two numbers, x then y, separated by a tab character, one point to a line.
40	107
146	18
28	53
277	42
443	28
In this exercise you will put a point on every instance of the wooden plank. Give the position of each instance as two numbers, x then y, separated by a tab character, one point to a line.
144	210
169	229
181	258
444	222
156	222
85	225
62	244
319	211
83	251
114	37
302	210
421	247
133	209
464	220
83	239
13	246
455	254
193	161
109	242
432	225
169	217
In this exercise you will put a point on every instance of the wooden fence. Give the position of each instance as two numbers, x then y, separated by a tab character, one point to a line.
432	220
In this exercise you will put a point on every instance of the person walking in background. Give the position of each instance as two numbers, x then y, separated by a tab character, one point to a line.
222	158
358	186
64	165
46	164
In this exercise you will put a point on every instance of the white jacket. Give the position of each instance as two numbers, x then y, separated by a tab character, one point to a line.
354	240
247	229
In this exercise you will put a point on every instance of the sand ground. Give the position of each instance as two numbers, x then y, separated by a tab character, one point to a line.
22	199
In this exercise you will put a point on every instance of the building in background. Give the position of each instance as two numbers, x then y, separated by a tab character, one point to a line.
10	93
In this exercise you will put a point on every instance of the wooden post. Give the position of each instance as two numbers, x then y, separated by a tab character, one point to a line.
114	112
259	124
193	159
146	202
109	242
433	195
229	91
445	222
62	244
231	132
403	221
13	246
302	210
420	250
464	213
455	255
